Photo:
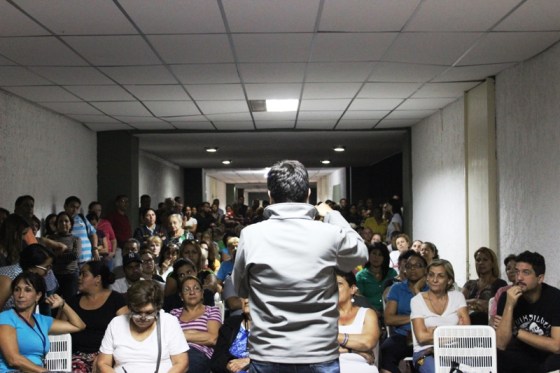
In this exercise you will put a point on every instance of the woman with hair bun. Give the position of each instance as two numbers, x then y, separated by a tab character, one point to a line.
96	305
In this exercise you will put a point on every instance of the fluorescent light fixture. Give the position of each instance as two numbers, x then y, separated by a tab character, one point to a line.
281	105
339	148
326	161
266	172
226	161
211	149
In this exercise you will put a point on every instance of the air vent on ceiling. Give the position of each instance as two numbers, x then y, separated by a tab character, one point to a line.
257	105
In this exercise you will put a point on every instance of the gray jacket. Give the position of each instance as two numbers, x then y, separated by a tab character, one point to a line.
285	266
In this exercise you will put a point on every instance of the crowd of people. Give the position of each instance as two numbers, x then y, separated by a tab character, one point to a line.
164	294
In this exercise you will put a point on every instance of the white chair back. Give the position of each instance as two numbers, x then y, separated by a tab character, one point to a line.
59	357
471	348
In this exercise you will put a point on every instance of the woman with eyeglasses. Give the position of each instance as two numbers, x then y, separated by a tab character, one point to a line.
96	304
200	324
34	258
24	334
398	344
440	305
190	249
146	339
149	266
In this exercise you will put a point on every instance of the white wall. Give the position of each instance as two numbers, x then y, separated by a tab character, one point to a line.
438	184
215	188
326	184
45	155
159	178
528	152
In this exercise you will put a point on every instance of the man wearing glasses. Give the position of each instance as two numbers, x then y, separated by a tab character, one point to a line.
528	335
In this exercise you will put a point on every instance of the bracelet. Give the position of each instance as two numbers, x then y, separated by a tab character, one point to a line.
345	340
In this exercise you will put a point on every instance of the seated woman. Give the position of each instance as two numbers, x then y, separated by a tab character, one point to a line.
149	228
154	243
167	257
397	313
358	329
478	292
145	340
190	249
376	271
149	266
96	304
429	251
509	262
189	222
24	334
200	324
438	306
175	232
231	353
401	246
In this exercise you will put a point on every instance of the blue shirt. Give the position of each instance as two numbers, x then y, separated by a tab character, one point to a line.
400	293
80	229
225	269
32	343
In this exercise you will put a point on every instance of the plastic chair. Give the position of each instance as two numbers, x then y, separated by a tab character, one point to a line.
59	357
469	348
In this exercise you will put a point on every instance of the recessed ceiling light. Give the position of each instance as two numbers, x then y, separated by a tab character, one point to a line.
226	161
212	149
339	148
281	105
326	161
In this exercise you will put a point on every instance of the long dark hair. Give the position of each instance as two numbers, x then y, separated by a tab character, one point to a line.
384	252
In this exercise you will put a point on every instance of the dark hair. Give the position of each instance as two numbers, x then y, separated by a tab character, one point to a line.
183	262
535	259
509	258
63	213
167	249
386	257
47	231
11	237
195	244
432	247
92	216
99	268
187	278
495	264
34	255
142	293
93	203
407	254
148	209
120	196
405	236
72	199
288	181
30	278
413	254
21	199
348	276
5	211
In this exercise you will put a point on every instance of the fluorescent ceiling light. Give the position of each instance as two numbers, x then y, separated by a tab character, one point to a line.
326	161
339	148
226	161
282	105
212	149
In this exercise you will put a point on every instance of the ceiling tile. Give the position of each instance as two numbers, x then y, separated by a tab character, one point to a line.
158	92
330	90
113	50
84	118
365	114
404	72
187	118
396	123
43	93
334	72
287	115
206	73
221	107
353	124
78	17
172	108
234	125
375	104
6	62
535	15
271	15
175	16
499	47
425	103
72	108
472	15
101	93
477	72
325	124
272	72
388	90
122	108
272	47
140	74
430	48
18	76
16	23
239	117
98	127
39	51
320	115
410	114
444	89
194	125
366	15
351	46
69	75
272	91
216	91
334	104
150	125
274	124
192	48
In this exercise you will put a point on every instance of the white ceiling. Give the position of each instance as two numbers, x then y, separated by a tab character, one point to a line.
179	72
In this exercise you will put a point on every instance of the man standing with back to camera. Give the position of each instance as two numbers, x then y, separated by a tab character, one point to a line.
285	266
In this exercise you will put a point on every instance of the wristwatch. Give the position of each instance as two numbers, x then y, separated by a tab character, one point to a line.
515	331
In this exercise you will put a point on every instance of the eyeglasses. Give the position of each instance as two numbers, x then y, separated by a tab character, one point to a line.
414	266
46	269
196	289
147	316
524	272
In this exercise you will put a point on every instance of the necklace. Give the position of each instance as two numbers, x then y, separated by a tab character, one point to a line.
440	309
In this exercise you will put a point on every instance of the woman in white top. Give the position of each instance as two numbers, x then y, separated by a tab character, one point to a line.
440	305
144	339
358	329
